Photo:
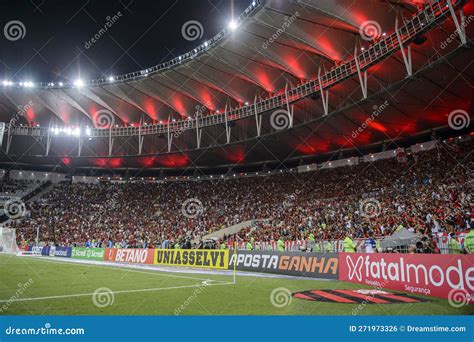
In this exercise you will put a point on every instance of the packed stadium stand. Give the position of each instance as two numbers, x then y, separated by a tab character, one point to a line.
428	192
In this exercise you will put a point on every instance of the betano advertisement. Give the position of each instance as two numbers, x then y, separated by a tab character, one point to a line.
208	258
314	265
135	256
428	274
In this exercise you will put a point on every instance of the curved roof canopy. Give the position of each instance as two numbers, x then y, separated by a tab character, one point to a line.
277	48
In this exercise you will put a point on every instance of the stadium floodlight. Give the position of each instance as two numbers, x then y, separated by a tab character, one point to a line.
60	84
233	25
6	83
79	83
28	84
206	44
111	78
77	132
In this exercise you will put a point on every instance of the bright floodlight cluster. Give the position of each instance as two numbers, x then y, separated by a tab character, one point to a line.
79	83
26	84
71	131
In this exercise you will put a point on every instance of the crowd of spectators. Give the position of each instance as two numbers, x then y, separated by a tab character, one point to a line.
13	186
429	192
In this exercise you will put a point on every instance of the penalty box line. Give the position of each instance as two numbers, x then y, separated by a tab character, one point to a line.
128	268
111	292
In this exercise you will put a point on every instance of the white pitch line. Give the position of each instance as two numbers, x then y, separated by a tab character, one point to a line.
112	292
121	267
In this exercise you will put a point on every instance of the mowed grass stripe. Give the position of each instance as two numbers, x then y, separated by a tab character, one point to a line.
51	278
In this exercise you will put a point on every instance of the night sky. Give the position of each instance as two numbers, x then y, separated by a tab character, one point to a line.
55	44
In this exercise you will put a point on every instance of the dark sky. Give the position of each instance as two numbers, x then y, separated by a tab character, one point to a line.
56	32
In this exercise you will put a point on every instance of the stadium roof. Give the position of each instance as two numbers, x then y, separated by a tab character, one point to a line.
273	48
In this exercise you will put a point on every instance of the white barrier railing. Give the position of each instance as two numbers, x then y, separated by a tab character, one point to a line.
442	242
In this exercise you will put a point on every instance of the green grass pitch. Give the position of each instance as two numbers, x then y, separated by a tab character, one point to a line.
62	288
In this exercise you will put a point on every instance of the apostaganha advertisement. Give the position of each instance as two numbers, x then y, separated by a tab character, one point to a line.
207	258
88	253
315	265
